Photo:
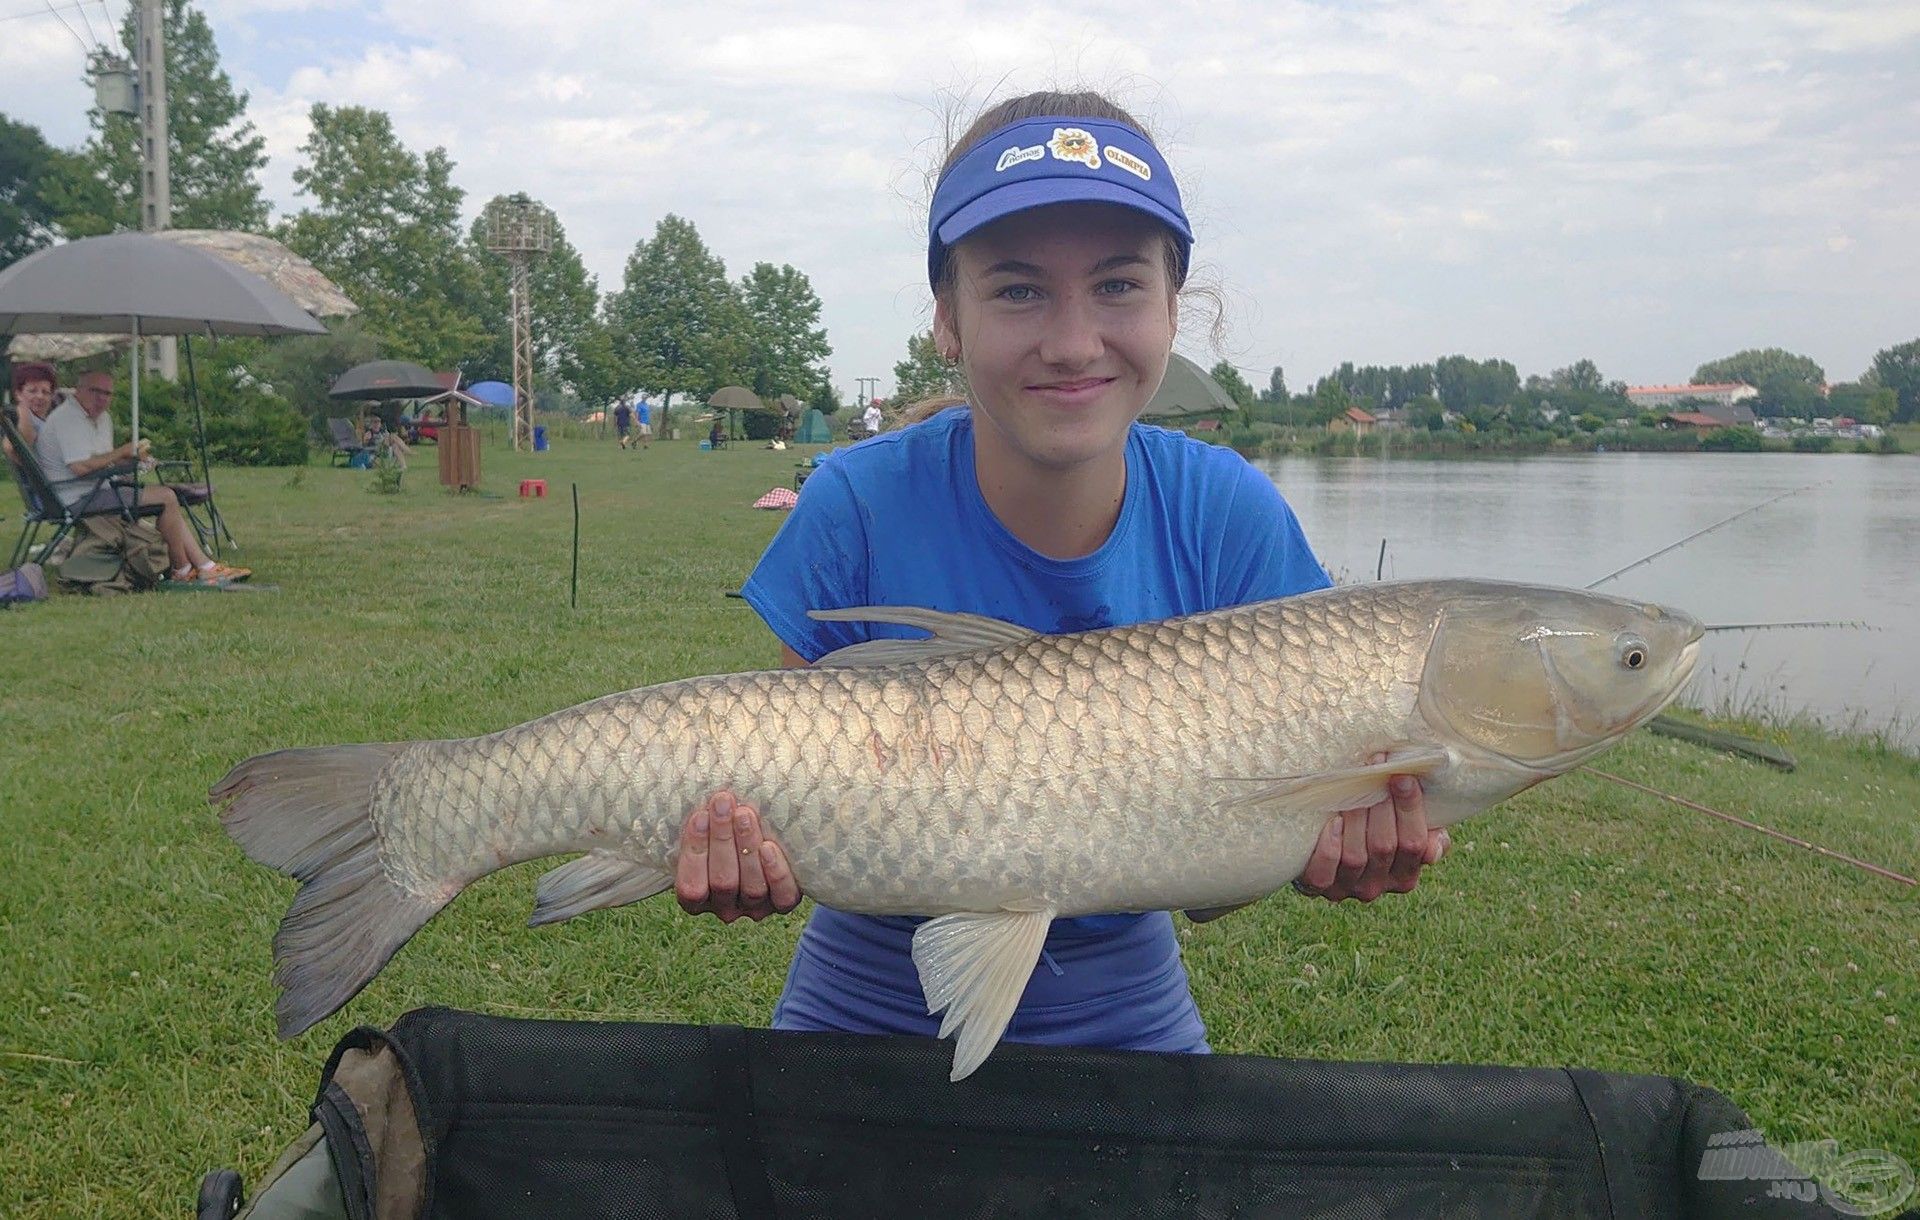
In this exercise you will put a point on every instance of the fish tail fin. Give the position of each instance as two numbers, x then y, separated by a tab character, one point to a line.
307	813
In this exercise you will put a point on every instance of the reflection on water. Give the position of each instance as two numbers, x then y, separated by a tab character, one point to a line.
1848	549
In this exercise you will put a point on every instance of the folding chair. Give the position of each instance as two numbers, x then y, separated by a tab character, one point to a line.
41	498
346	442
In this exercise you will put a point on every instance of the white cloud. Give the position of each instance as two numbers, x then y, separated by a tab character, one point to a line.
1543	181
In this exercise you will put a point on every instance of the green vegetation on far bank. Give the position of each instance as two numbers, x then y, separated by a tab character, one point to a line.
1581	924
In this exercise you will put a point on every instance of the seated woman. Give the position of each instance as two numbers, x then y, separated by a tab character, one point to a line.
376	437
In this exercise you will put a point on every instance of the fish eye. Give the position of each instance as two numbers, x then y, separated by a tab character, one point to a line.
1633	653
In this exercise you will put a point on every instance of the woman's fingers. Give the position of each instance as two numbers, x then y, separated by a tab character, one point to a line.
728	868
690	870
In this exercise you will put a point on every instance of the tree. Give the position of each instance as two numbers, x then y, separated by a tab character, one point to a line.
1789	384
1898	369
214	155
1870	404
300	369
785	342
925	373
1276	391
1461	382
675	314
1233	383
28	167
385	226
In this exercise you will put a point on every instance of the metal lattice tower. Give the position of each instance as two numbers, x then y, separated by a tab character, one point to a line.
520	231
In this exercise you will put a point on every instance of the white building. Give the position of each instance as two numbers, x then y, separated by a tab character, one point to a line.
1720	393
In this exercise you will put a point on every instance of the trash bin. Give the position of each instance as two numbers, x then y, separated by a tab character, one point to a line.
539	438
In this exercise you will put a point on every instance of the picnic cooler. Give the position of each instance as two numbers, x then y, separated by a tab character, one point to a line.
454	1114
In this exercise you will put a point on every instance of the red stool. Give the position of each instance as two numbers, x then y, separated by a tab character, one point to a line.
533	487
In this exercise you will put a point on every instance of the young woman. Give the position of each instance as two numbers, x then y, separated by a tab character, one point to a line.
1057	248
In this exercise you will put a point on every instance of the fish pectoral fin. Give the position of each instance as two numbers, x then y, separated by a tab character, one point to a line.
974	967
951	634
1208	914
596	880
1329	792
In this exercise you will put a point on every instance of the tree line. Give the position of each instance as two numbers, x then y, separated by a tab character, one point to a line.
383	221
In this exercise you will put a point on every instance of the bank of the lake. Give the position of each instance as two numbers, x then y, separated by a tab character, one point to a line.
1263	440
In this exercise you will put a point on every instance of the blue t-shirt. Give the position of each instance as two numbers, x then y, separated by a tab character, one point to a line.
899	521
643	413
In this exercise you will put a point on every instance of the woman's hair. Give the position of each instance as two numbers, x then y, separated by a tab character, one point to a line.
34	371
1077	104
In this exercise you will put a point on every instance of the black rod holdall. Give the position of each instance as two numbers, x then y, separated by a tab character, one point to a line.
454	1114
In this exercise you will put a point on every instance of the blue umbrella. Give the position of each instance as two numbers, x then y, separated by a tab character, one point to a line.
493	393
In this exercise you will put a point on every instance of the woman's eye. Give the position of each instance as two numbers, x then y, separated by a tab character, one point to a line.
1018	292
1114	288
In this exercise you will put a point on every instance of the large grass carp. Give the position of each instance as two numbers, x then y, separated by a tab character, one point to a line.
988	776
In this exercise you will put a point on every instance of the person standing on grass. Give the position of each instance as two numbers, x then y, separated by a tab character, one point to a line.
623	422
643	423
1056	250
76	446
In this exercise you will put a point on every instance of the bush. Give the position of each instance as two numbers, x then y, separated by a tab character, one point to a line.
1732	440
244	427
1807	442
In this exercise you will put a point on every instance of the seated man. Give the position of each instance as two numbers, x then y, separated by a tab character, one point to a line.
76	445
33	386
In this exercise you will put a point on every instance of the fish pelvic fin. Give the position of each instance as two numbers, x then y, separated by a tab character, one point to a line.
952	634
595	881
974	967
1330	792
307	814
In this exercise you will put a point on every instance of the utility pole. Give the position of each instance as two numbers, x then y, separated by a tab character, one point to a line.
863	383
156	186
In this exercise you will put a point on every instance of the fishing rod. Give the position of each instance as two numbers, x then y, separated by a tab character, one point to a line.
1684	803
1857	624
1697	533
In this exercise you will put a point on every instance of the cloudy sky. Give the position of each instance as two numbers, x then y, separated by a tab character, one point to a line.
1647	183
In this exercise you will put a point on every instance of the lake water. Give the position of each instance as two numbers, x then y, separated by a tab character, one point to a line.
1847	549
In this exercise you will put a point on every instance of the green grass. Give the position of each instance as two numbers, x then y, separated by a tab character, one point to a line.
1583	924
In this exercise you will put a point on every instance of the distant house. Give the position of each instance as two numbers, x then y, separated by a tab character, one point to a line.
1209	425
1698	421
1354	420
1717	393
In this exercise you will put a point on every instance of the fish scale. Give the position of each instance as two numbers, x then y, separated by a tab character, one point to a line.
988	775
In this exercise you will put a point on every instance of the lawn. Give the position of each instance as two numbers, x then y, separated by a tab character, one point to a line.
1581	925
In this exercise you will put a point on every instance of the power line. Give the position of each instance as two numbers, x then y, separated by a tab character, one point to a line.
84	45
50	10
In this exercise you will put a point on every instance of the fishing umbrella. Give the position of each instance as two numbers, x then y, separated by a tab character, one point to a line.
493	393
1187	390
733	398
310	289
386	379
138	285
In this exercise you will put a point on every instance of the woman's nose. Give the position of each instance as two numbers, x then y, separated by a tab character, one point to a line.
1070	337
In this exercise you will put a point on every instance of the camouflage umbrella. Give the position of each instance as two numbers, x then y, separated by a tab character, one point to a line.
736	398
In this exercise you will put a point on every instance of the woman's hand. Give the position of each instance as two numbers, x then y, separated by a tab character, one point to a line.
1364	853
726	867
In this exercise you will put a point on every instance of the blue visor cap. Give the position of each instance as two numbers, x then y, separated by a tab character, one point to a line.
1046	160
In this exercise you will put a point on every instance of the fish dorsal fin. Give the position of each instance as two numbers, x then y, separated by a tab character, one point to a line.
595	881
952	634
1330	792
974	966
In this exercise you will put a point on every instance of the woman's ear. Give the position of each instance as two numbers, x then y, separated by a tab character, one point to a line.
946	335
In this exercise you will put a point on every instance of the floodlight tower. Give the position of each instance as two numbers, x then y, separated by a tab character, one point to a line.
520	231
